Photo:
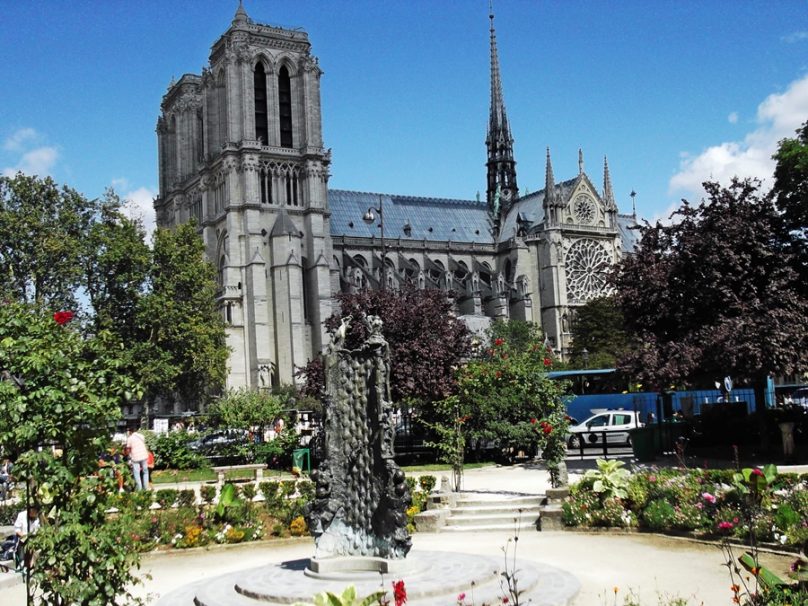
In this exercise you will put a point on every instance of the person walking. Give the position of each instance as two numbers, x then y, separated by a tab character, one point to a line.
138	458
27	523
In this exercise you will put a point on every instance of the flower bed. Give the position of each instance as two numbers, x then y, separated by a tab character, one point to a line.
708	503
230	515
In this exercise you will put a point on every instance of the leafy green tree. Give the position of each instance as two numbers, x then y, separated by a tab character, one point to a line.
598	329
61	391
43	239
506	397
255	412
714	294
183	350
116	266
519	335
791	191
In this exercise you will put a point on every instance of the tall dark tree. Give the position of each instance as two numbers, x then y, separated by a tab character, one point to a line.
43	238
714	293
116	266
183	349
427	341
791	189
598	328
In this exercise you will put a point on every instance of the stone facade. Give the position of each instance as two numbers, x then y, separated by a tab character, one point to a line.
241	153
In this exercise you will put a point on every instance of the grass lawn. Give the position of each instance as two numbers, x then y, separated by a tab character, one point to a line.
441	467
206	474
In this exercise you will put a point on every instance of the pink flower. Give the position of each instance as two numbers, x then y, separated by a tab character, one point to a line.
726	525
708	497
757	472
461	597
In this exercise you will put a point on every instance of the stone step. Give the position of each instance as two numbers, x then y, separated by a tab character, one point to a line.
504	528
516	502
493	509
506	519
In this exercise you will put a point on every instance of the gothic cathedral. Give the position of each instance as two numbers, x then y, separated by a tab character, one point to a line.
241	153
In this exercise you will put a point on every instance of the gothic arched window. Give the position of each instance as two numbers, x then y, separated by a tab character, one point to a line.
285	106
260	97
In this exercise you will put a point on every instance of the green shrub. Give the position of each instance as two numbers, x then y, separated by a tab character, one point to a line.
612	514
273	499
427	483
248	490
659	515
306	489
186	498
207	493
411	483
171	450
165	497
8	513
288	488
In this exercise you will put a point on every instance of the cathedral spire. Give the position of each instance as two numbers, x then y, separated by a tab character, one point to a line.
608	194
549	182
501	165
241	17
580	161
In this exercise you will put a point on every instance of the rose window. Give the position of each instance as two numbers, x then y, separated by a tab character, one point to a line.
584	209
587	263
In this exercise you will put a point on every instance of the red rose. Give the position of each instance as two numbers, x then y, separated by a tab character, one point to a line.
533	420
548	362
757	472
547	429
399	593
63	317
499	342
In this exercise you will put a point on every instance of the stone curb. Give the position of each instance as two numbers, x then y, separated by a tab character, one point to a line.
771	548
227	546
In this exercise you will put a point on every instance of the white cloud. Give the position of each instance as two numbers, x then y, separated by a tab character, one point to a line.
778	116
139	205
19	138
733	118
38	162
795	37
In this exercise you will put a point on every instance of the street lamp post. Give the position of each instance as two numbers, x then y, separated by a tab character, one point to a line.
585	356
369	217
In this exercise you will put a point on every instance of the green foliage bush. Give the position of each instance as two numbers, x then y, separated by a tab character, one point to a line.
248	491
207	493
165	497
427	483
8	513
659	515
186	497
171	450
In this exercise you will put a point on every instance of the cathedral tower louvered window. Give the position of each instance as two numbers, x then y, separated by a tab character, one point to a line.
260	95
285	106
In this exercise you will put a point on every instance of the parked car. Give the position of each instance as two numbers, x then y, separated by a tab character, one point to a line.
615	423
222	446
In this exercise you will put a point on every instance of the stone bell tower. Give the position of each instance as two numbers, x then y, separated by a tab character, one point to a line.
241	153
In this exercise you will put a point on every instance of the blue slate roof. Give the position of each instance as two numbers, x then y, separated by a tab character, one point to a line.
437	219
630	237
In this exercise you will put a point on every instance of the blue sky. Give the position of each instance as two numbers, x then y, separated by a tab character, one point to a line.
673	92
